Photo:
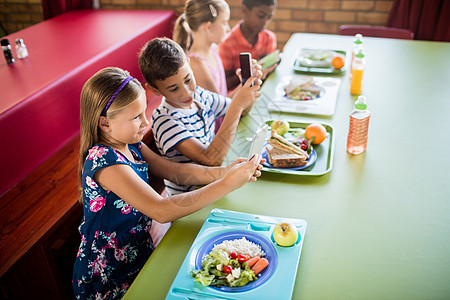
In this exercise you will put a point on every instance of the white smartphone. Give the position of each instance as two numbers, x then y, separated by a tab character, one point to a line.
258	141
245	60
270	59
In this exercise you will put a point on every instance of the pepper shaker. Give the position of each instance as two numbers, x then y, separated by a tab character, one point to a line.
6	47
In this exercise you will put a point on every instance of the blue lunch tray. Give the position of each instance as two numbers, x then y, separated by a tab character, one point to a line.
274	282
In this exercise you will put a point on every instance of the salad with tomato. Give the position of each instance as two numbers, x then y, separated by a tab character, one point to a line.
221	269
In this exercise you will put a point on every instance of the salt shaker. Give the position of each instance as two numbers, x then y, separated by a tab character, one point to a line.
6	47
21	49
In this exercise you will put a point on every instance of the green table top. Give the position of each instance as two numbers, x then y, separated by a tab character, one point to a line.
379	222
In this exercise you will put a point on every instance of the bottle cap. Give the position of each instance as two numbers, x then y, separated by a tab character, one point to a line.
360	54
358	38
5	42
361	103
19	41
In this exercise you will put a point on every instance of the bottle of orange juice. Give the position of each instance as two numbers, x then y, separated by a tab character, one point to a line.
357	46
357	73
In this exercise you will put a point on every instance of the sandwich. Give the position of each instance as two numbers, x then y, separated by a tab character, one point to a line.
284	154
302	88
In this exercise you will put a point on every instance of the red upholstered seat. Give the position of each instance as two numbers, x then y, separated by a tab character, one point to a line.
377	31
39	107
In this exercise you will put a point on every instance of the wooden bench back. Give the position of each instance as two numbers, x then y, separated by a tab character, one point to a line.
36	205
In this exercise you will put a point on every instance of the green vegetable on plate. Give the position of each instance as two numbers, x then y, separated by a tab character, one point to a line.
214	266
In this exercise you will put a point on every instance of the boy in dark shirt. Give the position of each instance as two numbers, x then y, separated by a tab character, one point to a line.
249	35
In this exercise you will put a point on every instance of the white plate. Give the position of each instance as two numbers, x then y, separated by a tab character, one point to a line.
323	105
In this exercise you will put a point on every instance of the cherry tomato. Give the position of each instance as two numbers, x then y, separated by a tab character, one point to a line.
227	269
233	255
242	257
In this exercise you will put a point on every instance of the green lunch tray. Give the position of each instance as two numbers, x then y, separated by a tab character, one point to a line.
324	152
320	70
276	281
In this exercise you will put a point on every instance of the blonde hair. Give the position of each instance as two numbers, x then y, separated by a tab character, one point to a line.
196	12
95	94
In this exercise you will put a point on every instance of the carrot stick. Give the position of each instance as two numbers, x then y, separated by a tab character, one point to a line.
260	265
252	261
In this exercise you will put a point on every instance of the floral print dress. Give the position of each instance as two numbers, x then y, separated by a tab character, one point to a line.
115	237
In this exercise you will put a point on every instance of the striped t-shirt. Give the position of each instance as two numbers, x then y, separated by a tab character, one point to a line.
172	125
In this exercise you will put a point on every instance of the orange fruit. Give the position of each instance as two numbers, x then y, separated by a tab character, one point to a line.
338	62
317	131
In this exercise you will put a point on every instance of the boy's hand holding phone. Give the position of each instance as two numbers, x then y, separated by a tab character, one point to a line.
270	60
269	63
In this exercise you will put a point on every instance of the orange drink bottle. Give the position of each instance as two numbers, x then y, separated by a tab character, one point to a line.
359	127
357	73
357	45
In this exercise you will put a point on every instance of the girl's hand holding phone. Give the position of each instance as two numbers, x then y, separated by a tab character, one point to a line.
248	94
251	82
243	160
243	171
256	70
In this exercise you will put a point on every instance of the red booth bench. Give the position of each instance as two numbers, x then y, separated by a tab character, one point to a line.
39	121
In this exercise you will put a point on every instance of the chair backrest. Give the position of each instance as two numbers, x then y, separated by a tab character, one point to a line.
155	182
377	31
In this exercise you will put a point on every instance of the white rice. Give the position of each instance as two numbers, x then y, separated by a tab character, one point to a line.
242	246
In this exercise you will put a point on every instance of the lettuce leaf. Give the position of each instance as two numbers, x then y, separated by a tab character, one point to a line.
246	277
203	277
210	276
213	259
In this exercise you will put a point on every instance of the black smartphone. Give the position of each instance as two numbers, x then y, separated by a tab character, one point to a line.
245	60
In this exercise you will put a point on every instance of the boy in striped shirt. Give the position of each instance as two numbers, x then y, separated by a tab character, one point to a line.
183	124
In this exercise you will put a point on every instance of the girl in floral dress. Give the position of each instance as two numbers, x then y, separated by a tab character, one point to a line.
118	202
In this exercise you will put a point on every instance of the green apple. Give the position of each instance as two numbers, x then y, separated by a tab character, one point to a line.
280	126
285	234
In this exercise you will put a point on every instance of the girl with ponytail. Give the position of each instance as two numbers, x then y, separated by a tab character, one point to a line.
198	30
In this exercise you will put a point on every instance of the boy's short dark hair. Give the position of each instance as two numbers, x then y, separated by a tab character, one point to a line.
252	3
159	59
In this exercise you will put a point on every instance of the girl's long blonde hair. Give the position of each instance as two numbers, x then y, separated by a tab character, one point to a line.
94	96
196	12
